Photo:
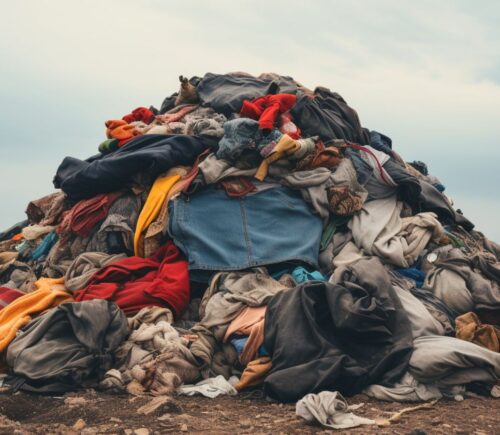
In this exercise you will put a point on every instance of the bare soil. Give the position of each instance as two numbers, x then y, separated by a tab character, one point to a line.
91	413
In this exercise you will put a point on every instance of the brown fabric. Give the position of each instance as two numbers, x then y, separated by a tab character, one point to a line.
342	201
249	322
47	210
470	328
254	373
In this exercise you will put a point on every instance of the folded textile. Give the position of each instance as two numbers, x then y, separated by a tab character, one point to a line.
267	109
116	233
446	361
250	322
84	266
407	389
470	328
211	388
453	278
341	336
328	116
238	236
20	312
150	154
154	359
134	282
329	409
46	210
254	373
68	347
140	114
379	230
8	295
225	93
156	197
86	214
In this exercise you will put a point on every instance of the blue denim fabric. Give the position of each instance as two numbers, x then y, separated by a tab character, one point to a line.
216	232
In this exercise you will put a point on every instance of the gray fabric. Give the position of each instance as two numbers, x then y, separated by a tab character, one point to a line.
122	219
422	322
330	409
449	361
315	182
235	291
452	279
84	266
226	296
17	275
313	185
408	389
378	187
434	306
68	347
379	230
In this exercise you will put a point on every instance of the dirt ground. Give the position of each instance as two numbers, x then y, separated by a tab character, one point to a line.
92	413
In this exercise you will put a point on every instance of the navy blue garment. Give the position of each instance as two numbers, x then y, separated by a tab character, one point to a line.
381	142
150	154
217	232
225	93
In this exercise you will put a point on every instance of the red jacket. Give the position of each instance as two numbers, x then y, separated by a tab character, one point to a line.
134	282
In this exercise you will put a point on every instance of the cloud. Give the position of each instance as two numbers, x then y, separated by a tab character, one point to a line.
425	73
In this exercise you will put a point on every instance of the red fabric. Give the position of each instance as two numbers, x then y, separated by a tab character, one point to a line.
288	127
8	295
134	282
140	114
266	109
86	214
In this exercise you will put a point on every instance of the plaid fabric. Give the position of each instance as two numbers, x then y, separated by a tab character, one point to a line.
8	295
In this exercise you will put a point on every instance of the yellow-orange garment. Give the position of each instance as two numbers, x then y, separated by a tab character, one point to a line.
470	328
254	373
249	322
19	313
156	197
286	146
119	129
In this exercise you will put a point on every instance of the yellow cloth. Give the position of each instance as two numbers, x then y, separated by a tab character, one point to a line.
286	146
19	312
156	197
254	373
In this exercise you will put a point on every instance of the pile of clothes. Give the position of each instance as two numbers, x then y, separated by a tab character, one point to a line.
249	234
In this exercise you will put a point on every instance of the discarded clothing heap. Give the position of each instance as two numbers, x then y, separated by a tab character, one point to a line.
248	234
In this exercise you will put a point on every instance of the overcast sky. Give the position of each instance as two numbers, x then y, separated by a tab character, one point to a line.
425	73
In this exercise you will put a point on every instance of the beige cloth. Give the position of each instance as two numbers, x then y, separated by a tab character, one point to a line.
154	359
33	232
85	265
379	230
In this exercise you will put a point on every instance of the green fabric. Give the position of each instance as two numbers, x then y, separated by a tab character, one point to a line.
331	228
108	146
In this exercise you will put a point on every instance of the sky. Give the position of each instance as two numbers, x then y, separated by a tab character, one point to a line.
425	73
